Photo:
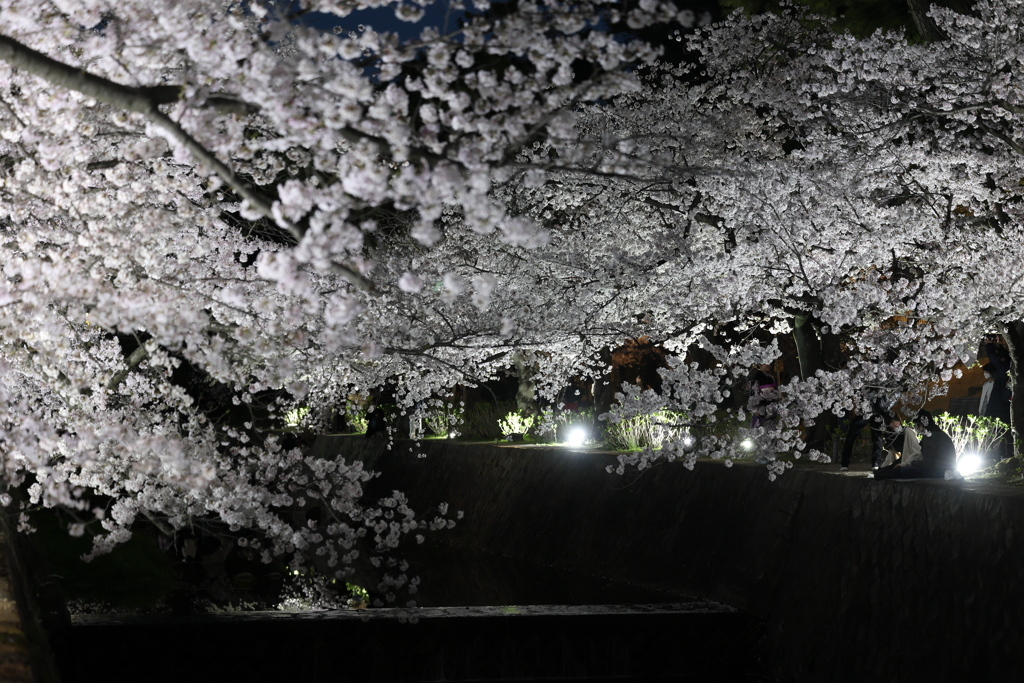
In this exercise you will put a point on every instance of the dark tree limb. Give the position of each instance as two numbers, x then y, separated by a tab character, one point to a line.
1014	337
925	25
1014	145
137	356
165	529
146	101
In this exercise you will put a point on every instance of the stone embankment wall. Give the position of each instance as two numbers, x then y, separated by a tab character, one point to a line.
475	645
857	579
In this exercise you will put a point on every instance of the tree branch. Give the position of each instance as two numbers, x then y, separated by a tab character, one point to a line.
1014	145
145	101
925	25
164	528
137	356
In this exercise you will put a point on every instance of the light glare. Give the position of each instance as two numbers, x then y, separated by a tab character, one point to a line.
969	463
577	437
747	444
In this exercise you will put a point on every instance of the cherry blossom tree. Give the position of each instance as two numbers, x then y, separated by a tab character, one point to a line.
280	215
938	122
211	191
801	186
872	195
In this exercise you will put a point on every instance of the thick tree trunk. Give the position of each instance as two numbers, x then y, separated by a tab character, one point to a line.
604	391
526	400
827	424
814	351
808	346
925	25
1015	341
790	359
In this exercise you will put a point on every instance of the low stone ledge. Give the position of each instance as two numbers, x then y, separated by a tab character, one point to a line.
538	643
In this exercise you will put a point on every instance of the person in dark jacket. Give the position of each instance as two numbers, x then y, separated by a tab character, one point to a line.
998	368
883	423
938	454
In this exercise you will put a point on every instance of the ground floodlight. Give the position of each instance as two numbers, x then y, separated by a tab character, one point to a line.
747	444
577	436
969	463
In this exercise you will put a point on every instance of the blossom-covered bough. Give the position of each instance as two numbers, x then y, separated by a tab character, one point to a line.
863	192
210	214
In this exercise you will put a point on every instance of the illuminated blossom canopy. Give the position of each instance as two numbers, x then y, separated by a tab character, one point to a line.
210	211
207	208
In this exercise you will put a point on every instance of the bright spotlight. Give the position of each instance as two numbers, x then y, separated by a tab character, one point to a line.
688	441
577	437
969	463
747	444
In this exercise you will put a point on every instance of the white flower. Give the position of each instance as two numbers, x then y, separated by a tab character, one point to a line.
410	282
452	286
483	286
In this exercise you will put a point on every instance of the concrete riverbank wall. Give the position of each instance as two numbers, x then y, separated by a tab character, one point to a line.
500	644
856	579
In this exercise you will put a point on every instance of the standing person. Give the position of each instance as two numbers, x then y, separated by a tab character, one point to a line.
997	369
938	454
996	394
986	390
883	422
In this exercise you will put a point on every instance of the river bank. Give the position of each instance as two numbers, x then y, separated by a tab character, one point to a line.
855	578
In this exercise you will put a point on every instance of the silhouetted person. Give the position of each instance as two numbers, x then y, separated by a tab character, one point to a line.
881	419
376	424
998	368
